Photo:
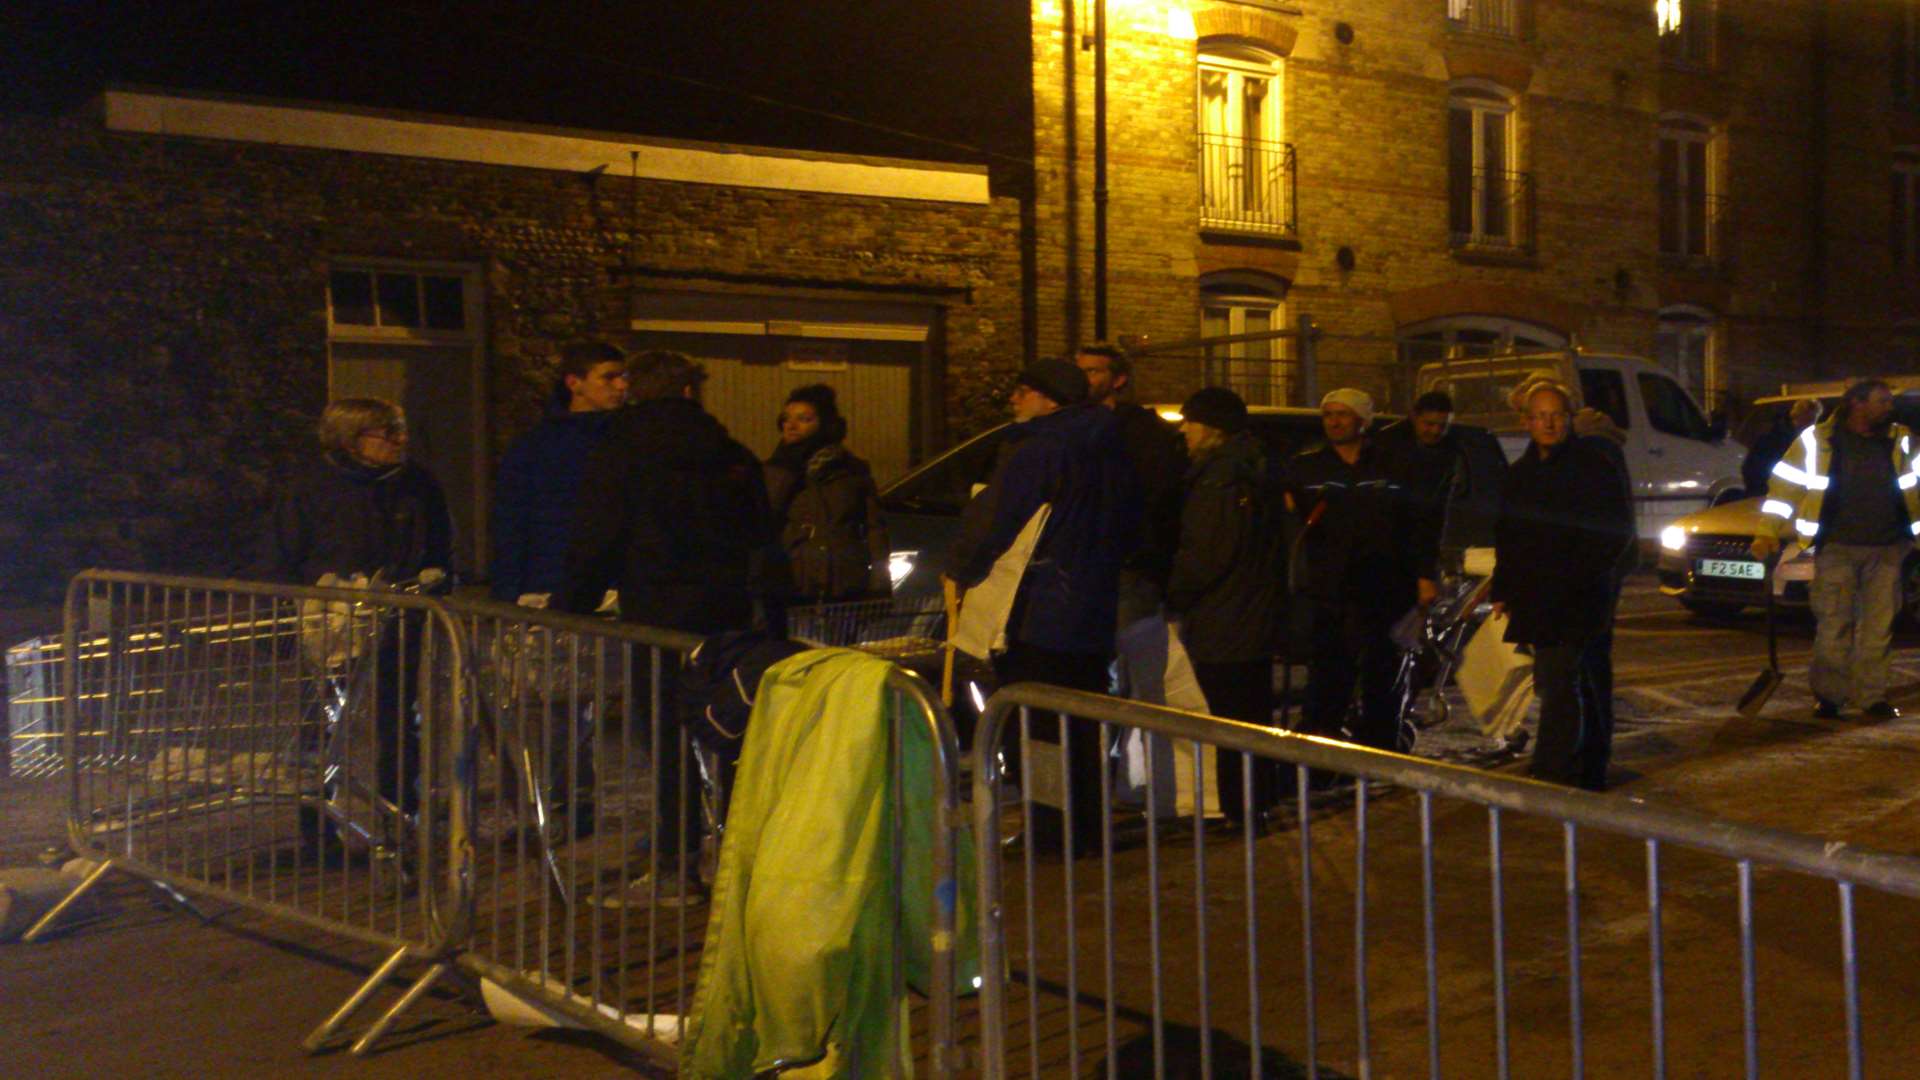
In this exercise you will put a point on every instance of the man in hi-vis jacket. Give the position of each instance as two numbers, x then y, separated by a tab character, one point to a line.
1849	487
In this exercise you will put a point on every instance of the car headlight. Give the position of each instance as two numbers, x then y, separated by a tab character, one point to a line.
1673	538
900	564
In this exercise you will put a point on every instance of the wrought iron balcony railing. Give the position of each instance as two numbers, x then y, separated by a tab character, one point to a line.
1491	208
1246	185
1483	16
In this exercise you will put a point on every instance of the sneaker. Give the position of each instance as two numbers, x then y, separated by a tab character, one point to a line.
672	891
1881	710
1825	709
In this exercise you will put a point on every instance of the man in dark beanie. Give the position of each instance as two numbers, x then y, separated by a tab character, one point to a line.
1062	452
1224	589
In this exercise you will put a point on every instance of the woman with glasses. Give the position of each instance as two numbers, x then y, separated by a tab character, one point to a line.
363	514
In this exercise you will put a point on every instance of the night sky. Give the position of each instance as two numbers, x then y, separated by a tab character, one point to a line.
938	79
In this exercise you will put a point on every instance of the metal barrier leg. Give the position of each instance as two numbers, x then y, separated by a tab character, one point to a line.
33	932
179	898
380	1026
352	1005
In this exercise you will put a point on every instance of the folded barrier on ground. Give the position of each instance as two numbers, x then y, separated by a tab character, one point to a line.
283	749
594	826
1391	916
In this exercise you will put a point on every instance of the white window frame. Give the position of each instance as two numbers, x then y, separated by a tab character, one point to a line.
1236	295
1686	132
470	305
1236	163
1699	324
1240	68
1486	103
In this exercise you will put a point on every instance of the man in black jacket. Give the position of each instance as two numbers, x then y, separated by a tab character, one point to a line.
1224	589
1362	571
675	511
1566	518
1159	459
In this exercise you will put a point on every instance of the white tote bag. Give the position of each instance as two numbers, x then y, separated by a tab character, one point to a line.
1159	672
981	629
1496	679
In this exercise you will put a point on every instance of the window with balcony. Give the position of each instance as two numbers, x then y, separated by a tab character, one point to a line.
1691	209
1484	16
1489	202
1686	32
1234	304
1904	216
1246	170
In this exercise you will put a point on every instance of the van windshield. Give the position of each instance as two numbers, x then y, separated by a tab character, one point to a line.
1480	387
944	484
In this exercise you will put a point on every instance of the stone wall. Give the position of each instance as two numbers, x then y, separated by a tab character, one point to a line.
163	323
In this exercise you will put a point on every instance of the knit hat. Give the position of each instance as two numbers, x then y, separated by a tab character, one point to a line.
1358	400
1216	407
1065	383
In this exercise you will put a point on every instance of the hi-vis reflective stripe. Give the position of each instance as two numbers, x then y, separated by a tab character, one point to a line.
1777	508
1915	528
1806	528
1792	475
1907	480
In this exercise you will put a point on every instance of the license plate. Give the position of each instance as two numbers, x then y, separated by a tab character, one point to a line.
1731	568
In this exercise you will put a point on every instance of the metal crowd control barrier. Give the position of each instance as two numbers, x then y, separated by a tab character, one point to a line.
1492	893
588	907
280	748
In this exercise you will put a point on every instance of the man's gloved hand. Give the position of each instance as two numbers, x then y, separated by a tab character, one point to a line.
1765	546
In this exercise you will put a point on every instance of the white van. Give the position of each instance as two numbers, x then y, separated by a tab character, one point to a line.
1677	461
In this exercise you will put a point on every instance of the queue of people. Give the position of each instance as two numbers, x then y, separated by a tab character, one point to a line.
628	485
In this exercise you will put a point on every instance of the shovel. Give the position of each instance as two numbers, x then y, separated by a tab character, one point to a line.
1768	680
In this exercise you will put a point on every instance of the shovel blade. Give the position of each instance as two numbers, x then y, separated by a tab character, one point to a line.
1756	696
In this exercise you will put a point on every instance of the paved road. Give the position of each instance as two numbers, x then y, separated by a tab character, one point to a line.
149	992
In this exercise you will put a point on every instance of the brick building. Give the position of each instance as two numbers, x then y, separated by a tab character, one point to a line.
1699	181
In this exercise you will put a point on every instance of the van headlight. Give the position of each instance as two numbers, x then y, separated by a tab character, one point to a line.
900	564
1673	538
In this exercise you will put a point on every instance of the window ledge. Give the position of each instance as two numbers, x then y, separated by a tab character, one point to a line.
1264	236
1482	253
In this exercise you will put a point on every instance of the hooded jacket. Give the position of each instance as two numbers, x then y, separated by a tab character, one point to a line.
1225	585
676	512
341	517
535	495
828	510
1074	460
1796	500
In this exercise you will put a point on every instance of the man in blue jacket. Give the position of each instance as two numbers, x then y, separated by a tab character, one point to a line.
1067	453
537	490
536	495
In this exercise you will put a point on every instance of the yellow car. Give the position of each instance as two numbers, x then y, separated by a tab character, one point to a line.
1705	561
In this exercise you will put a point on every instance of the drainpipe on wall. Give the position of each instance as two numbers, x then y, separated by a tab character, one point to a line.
1814	299
1100	169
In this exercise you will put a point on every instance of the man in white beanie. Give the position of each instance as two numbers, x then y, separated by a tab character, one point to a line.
1360	574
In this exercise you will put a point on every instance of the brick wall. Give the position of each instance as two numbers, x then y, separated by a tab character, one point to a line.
1367	118
162	307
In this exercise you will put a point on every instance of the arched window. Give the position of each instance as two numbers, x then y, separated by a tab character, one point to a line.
1683	344
1233	303
1475	335
1486	194
1689	190
1246	167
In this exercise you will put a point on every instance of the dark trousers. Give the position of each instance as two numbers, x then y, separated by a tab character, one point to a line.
1576	733
678	825
396	690
1242	690
1023	662
1350	644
